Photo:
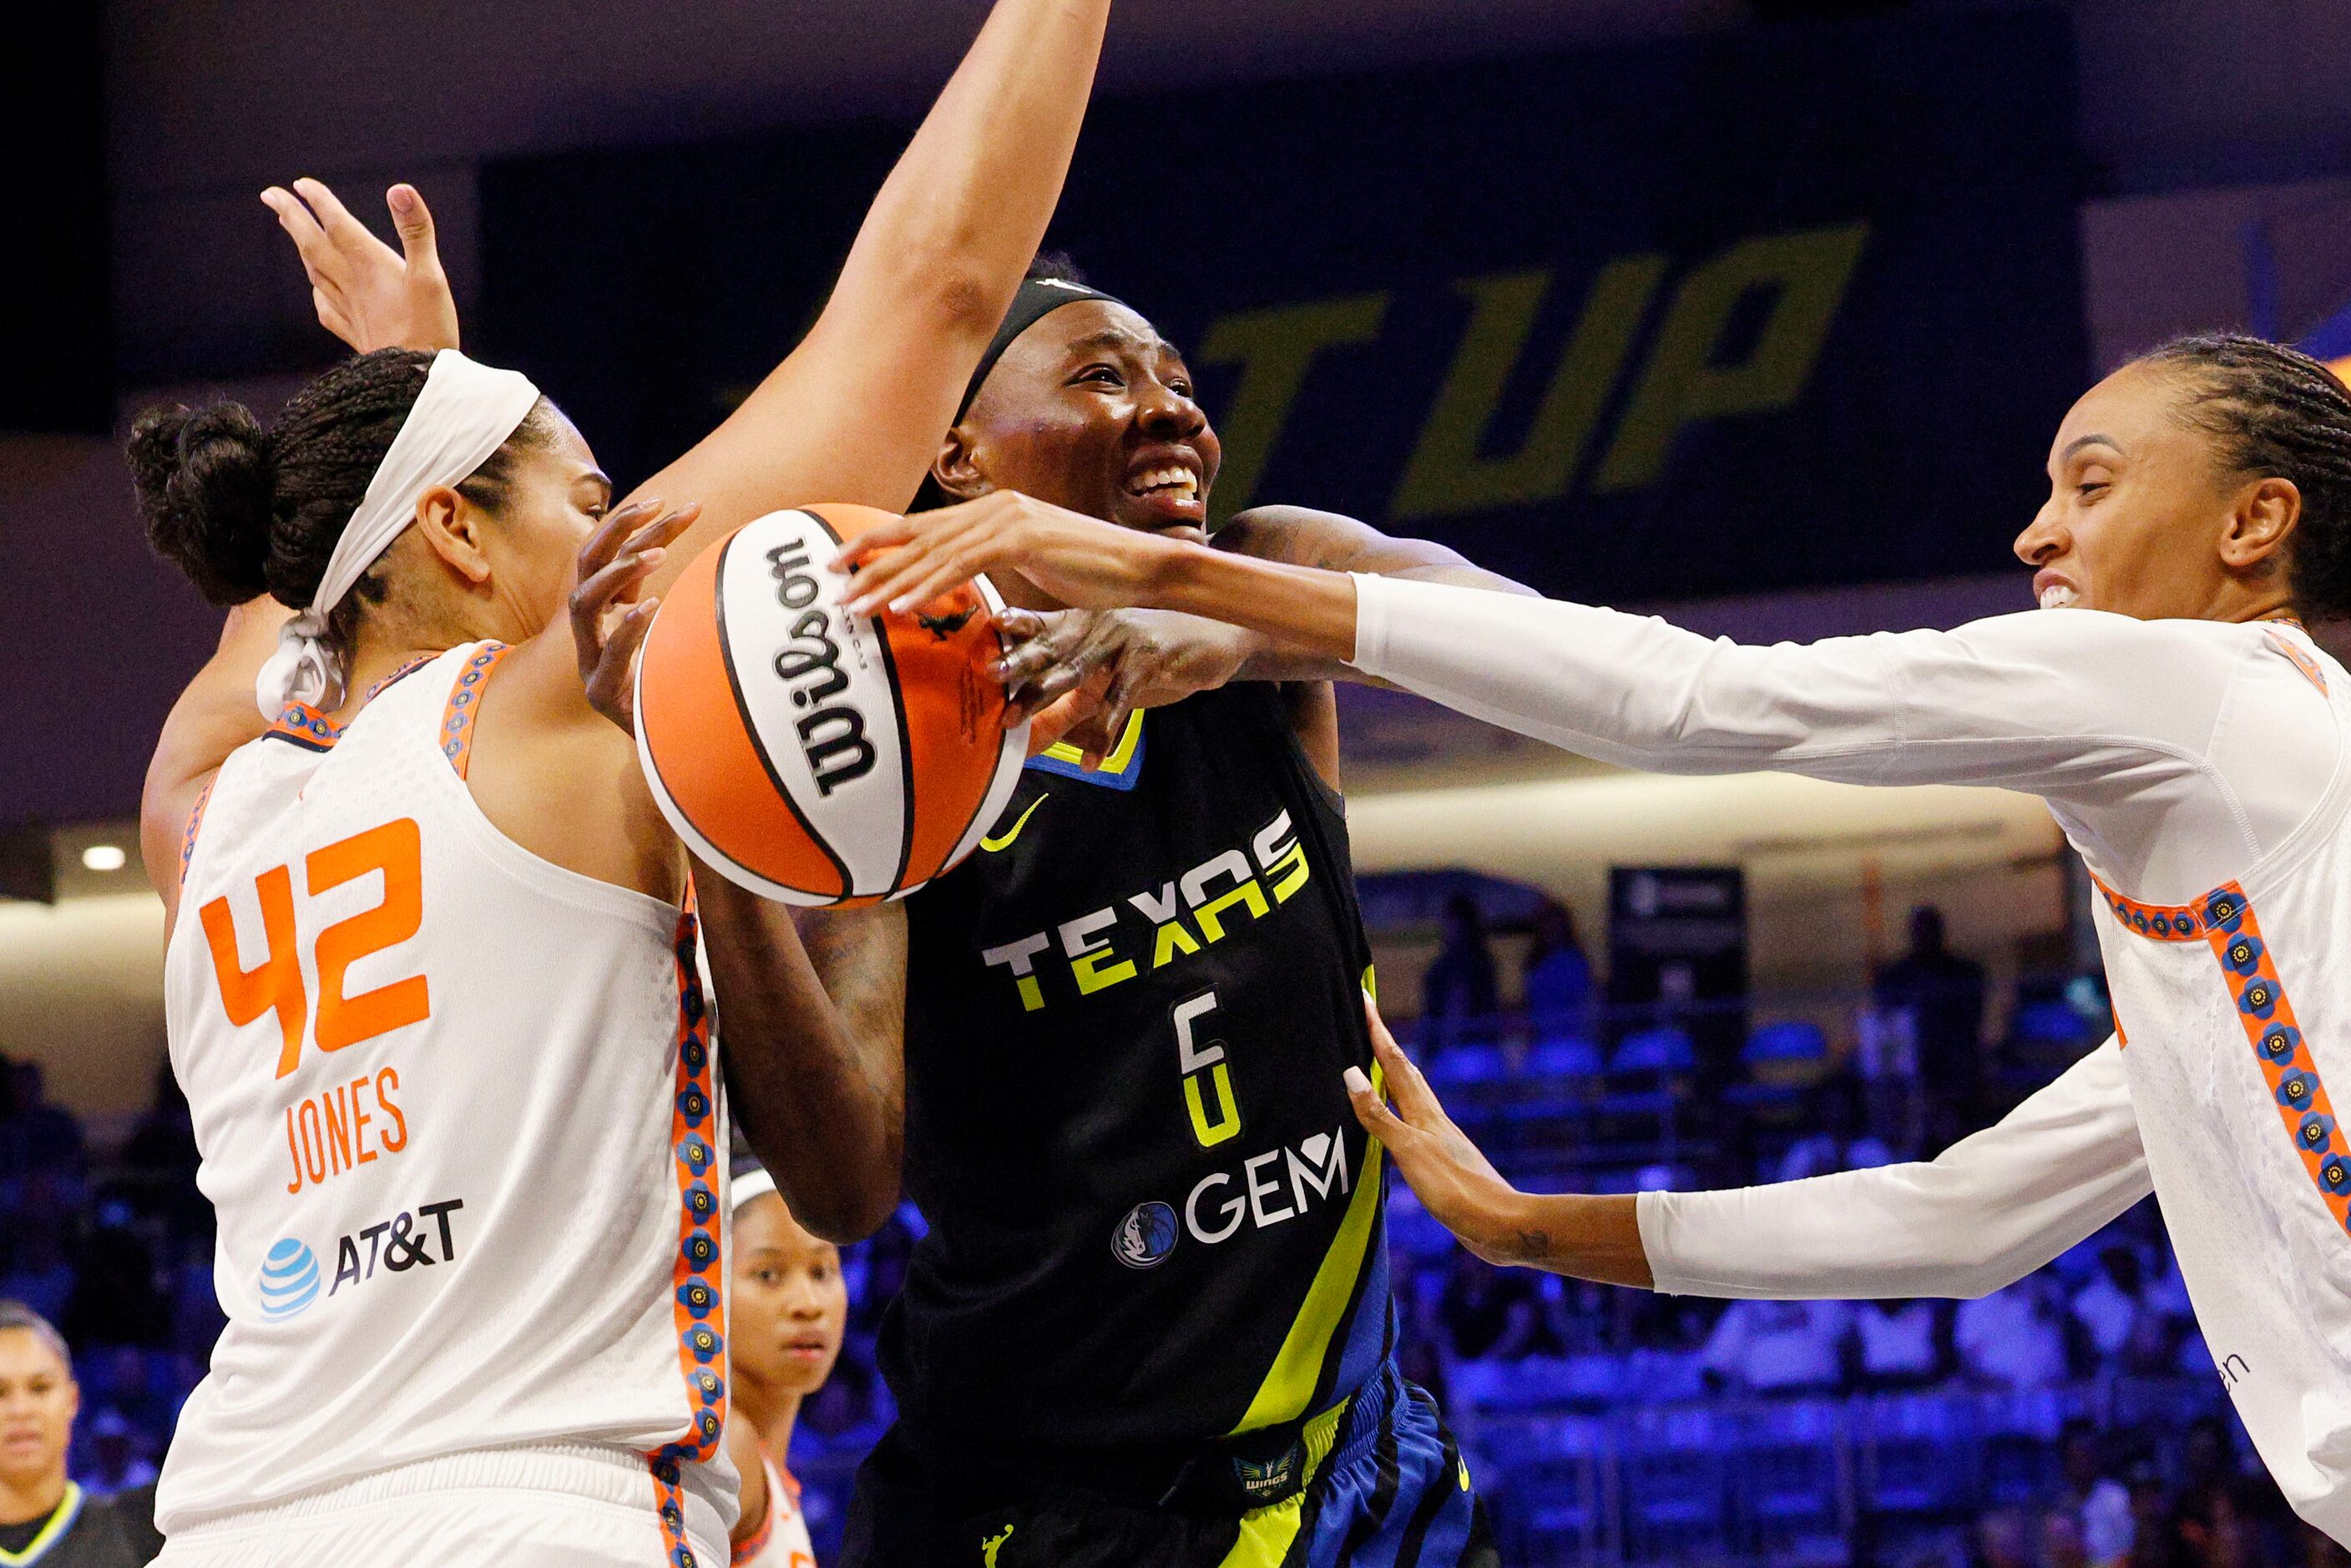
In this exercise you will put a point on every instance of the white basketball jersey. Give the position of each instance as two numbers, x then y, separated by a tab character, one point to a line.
2236	1016
457	1117
782	1541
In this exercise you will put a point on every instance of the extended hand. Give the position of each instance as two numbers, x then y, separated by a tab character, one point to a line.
1455	1182
1080	561
1144	658
609	622
366	295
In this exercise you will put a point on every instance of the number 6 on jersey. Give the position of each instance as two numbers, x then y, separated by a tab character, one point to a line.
1200	1062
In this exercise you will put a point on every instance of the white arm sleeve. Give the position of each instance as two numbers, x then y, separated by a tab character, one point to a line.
1994	1208
2077	704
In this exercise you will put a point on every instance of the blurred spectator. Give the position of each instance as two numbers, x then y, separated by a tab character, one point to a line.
162	1158
2014	1338
2062	1545
2099	1504
1489	1312
2004	1539
116	1300
39	1273
1944	995
1770	1347
1459	995
2207	1453
47	1136
39	1501
1557	978
1814	1155
2126	1329
116	1461
1902	1344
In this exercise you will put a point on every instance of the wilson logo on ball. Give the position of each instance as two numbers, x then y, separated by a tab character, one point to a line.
832	738
813	756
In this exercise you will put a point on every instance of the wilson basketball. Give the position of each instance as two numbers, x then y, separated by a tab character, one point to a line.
815	756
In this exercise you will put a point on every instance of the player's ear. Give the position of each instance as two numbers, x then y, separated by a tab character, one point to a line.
956	470
454	529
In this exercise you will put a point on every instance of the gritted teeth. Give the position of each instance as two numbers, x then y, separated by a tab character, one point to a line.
2057	596
1183	482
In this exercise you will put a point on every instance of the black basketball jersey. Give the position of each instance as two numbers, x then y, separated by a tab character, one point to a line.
1154	1218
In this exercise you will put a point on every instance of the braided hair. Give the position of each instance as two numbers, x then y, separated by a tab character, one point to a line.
245	511
2274	413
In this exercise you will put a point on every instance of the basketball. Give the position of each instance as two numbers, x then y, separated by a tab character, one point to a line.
814	757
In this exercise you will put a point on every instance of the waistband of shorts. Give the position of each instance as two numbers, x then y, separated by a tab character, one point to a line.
583	1471
1354	1440
1345	1432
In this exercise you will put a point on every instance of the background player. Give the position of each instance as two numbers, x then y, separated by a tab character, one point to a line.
45	1517
786	1319
484	970
2190	737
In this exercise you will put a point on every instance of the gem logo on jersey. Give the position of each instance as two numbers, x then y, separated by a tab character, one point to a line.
1146	1236
289	1281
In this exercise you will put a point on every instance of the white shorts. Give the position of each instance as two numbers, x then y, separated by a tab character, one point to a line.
553	1506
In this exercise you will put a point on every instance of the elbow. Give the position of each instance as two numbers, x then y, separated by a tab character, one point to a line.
845	1219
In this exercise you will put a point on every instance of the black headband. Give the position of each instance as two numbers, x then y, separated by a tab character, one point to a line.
1038	297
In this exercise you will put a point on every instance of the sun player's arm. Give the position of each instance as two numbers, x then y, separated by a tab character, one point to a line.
1297	535
213	716
1154	657
1989	1211
855	411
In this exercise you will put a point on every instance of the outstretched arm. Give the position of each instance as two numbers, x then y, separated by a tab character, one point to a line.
1989	1210
856	413
1147	658
2096	710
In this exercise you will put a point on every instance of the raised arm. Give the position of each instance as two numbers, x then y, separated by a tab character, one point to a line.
1989	1210
214	716
855	413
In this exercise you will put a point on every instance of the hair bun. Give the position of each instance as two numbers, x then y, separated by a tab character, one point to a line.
207	485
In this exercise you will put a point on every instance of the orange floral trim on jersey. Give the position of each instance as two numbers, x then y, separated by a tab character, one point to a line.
2160	922
748	1549
698	1308
195	821
308	727
2300	660
464	701
2286	1063
305	727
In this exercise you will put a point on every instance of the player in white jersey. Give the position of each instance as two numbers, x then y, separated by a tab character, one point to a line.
786	1314
430	979
2187	732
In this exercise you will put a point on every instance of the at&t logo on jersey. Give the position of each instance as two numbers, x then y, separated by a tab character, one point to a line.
289	1281
399	1244
1146	1236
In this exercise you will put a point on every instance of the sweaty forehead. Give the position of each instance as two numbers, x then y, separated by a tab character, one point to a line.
1092	326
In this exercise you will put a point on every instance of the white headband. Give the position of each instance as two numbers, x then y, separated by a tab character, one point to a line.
466	412
749	1185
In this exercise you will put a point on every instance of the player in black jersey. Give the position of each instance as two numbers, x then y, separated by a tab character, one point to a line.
1151	1321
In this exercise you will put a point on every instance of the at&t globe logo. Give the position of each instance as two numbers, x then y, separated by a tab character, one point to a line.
289	1281
1145	1237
